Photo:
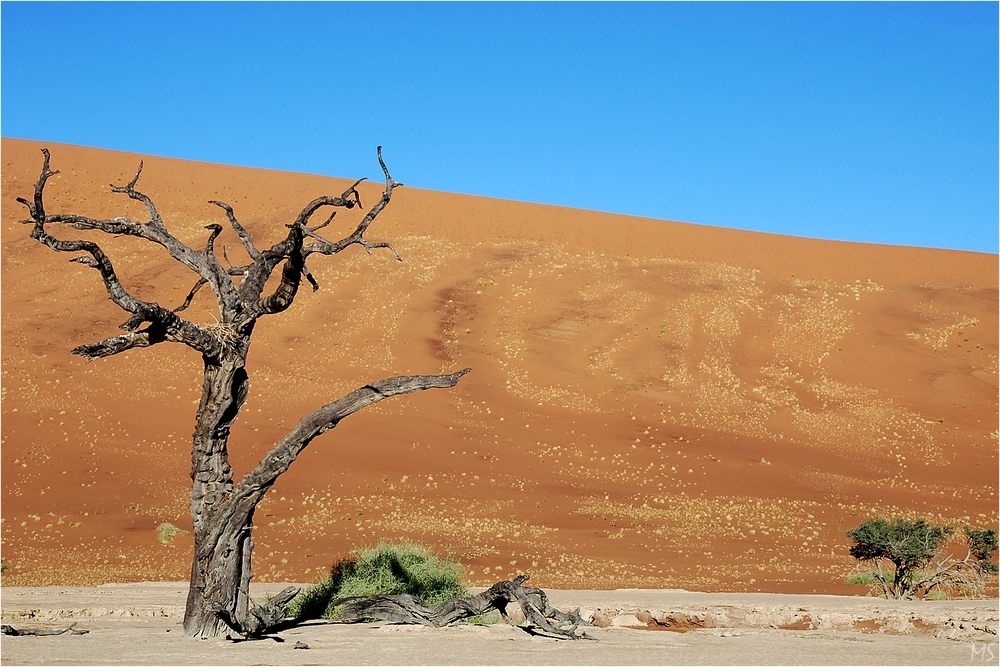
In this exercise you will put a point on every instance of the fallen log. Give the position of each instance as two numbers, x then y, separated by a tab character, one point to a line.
541	617
11	631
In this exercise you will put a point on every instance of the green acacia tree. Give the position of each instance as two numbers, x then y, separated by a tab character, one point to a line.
919	560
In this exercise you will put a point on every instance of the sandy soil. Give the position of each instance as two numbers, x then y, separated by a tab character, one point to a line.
653	404
140	624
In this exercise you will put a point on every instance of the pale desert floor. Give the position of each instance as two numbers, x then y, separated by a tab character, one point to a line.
140	624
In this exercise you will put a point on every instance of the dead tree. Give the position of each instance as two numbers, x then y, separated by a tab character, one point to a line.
412	610
221	509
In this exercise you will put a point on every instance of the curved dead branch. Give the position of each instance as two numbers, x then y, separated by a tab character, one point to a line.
254	485
116	344
210	244
322	420
291	275
331	248
412	610
40	632
240	231
194	290
166	324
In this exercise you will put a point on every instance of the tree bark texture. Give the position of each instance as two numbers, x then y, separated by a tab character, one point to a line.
221	509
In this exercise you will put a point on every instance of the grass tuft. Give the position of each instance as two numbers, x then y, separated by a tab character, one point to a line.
167	531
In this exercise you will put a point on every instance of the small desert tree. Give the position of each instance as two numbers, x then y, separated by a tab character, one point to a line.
222	509
920	562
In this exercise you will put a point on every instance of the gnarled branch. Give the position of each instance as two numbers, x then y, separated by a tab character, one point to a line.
293	246
322	420
295	266
243	233
166	325
194	290
174	327
357	236
411	609
110	346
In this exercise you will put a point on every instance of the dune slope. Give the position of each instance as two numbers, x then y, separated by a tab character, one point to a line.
653	404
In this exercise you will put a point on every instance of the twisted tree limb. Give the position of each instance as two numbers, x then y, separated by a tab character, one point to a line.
38	632
240	231
328	416
410	609
327	248
166	324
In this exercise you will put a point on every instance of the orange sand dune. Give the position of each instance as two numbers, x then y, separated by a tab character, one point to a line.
653	404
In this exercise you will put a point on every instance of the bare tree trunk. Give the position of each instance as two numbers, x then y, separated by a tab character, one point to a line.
218	600
217	568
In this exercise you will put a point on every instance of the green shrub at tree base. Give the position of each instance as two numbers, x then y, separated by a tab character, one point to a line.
387	569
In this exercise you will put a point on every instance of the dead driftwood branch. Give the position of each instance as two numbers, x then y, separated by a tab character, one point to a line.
36	632
542	618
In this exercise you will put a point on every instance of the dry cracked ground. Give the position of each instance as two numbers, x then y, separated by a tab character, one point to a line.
138	624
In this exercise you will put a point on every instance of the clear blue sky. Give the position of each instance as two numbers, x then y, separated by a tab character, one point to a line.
872	122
